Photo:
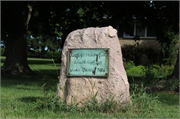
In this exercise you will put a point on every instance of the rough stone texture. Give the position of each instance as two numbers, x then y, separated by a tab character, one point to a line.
80	87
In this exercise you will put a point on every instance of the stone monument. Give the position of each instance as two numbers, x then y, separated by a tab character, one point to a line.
91	61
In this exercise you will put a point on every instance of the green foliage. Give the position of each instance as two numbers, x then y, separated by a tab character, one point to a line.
129	64
53	103
2	51
159	71
172	84
42	41
149	77
141	69
165	70
108	105
53	55
50	20
29	101
152	54
142	102
29	54
131	53
49	55
135	70
142	54
170	46
58	19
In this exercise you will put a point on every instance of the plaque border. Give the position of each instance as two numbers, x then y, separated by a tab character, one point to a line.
67	68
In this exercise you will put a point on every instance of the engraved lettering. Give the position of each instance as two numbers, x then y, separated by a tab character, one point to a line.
94	71
71	69
88	62
101	70
80	62
96	54
87	70
77	55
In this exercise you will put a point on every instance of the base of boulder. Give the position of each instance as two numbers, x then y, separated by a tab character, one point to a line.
78	89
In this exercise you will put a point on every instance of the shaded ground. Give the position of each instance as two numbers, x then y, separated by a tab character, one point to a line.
161	87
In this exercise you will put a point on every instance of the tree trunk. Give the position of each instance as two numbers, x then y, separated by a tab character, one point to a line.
175	74
43	52
16	56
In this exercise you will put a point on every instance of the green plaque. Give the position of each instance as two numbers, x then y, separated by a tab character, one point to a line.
88	62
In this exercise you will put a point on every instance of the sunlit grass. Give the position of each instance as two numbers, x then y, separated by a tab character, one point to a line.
20	94
18	98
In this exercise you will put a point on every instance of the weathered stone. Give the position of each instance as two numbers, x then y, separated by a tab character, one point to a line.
79	88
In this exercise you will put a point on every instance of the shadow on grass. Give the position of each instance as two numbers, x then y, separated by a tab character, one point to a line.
52	73
40	64
20	82
33	60
49	61
38	73
30	99
137	79
167	98
41	77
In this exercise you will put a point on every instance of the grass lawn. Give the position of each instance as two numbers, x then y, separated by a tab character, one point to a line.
19	96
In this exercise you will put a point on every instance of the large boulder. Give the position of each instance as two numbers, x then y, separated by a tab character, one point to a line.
79	88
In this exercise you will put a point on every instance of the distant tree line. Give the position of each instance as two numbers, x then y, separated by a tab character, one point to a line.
33	25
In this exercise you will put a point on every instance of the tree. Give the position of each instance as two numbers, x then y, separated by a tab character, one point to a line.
168	20
17	15
58	19
161	15
44	26
80	15
49	21
175	73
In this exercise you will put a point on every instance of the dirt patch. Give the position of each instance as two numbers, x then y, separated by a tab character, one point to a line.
149	89
161	87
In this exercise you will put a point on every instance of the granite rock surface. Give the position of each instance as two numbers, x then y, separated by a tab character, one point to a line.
79	88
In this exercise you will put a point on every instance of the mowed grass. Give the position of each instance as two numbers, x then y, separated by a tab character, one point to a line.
19	97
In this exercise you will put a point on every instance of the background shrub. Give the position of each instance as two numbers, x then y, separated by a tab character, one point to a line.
131	53
49	55
155	69
135	70
53	55
150	75
29	54
2	51
129	64
143	54
170	46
